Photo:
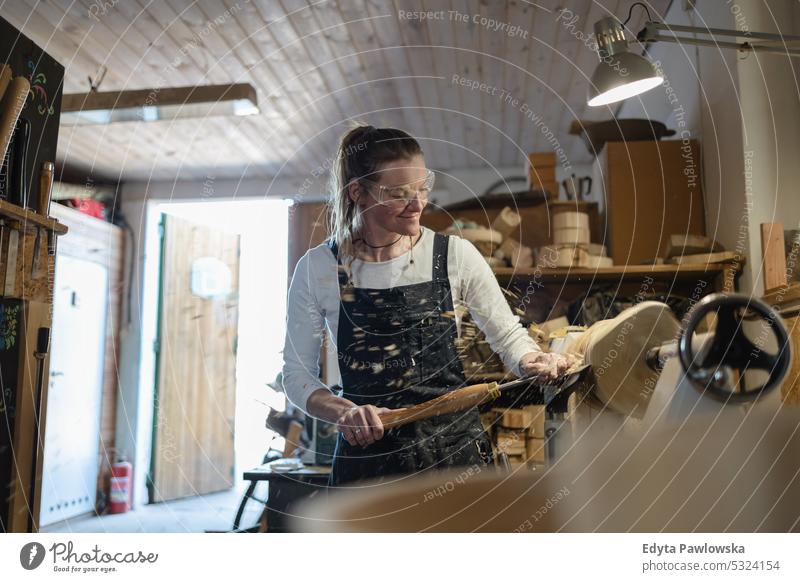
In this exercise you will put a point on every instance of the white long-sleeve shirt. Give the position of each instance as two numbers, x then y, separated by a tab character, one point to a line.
314	305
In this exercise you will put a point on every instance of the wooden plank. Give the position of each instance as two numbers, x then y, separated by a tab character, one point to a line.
659	271
783	296
517	51
29	218
773	253
467	40
652	197
440	34
417	48
307	228
705	258
367	47
25	440
790	389
690	244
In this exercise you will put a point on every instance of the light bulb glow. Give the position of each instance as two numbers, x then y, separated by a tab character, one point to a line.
625	91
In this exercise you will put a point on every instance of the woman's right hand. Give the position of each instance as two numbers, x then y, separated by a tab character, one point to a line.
361	425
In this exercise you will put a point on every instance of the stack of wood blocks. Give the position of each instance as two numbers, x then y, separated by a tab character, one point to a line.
542	173
572	246
496	243
519	433
511	251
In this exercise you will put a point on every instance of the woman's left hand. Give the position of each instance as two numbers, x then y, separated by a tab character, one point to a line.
545	365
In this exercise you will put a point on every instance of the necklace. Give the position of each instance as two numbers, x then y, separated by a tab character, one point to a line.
379	246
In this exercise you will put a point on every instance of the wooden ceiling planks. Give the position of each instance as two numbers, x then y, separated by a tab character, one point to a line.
519	48
316	66
415	34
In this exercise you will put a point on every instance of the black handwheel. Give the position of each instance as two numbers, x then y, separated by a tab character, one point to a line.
731	349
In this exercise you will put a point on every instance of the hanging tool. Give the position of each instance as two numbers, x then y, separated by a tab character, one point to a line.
45	188
36	245
43	208
17	174
13	101
2	234
11	259
5	79
42	347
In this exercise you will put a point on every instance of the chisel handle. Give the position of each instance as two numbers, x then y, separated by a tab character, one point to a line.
12	104
45	188
455	401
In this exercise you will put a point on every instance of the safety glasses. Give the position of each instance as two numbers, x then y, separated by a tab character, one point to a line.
400	195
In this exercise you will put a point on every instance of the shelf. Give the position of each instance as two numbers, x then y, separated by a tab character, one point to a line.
633	272
29	218
519	200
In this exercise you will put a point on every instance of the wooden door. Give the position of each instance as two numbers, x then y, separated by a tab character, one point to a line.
193	447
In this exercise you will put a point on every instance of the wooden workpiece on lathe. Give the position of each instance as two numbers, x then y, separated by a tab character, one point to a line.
617	349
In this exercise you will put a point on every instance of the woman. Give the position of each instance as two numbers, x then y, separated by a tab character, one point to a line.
385	287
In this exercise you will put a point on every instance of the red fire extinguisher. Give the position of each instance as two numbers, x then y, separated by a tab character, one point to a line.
121	486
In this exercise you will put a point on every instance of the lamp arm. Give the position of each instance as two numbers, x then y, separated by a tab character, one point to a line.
650	33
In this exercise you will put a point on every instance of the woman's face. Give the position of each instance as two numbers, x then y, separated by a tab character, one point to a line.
394	216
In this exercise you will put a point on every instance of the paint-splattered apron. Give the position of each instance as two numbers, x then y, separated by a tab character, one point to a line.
396	348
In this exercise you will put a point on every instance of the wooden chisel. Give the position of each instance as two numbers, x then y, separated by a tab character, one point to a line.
11	262
2	233
36	244
12	104
470	396
5	79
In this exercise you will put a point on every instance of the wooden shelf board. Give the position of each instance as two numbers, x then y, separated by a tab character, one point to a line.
781	296
30	218
663	272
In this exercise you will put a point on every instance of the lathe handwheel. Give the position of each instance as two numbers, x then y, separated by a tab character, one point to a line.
730	349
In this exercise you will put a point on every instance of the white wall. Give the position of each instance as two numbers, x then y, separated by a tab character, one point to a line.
771	124
698	100
745	112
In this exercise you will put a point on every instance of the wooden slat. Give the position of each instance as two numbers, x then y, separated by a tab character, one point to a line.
773	252
414	37
307	229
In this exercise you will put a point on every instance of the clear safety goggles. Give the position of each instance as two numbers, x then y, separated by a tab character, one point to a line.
401	194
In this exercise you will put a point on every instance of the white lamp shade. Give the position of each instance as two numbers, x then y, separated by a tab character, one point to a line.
621	76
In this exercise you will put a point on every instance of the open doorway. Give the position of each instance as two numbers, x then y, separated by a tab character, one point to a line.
253	235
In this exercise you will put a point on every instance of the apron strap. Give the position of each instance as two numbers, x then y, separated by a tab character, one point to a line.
343	279
440	244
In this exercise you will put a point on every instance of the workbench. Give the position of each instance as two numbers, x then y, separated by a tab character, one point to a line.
286	488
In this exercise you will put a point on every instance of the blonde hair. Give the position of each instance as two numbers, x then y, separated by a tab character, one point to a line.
361	153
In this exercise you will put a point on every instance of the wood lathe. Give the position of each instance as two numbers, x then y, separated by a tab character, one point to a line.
610	480
626	355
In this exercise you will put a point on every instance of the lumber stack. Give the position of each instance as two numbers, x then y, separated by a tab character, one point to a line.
498	243
571	244
542	173
519	433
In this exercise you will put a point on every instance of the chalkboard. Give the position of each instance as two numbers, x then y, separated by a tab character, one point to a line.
10	331
43	106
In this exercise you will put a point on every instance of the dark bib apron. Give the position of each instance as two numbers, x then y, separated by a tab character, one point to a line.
396	348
